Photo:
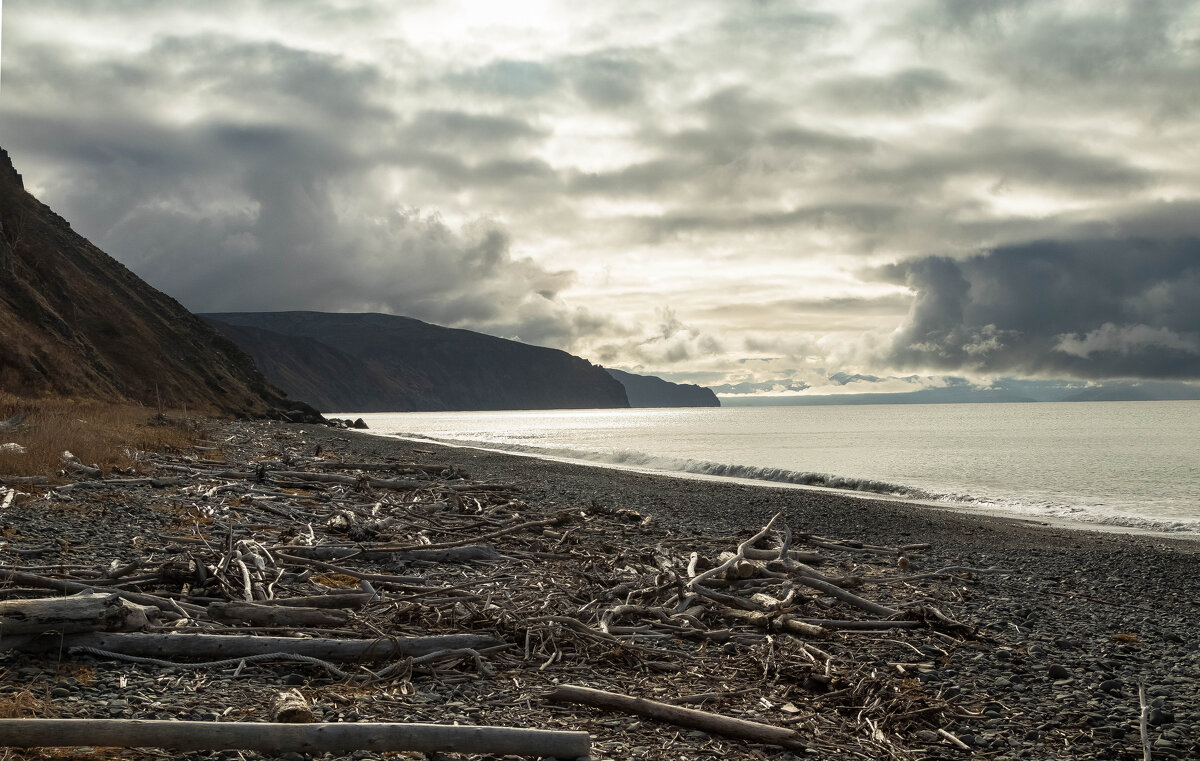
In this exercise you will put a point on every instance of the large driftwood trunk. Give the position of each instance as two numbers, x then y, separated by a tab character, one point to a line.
282	738
69	615
220	646
277	615
684	717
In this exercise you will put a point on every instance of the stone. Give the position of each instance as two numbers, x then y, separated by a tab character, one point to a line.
1058	671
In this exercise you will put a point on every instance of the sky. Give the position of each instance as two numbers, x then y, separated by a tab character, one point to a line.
756	196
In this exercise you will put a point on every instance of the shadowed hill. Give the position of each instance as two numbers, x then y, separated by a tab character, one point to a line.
75	322
383	363
652	391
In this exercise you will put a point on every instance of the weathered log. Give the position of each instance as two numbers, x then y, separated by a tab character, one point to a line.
290	707
848	597
330	478
812	558
217	646
716	724
334	600
69	615
468	554
274	615
72	463
788	624
72	587
282	738
562	516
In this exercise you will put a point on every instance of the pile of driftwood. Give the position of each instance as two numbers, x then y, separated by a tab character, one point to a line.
377	573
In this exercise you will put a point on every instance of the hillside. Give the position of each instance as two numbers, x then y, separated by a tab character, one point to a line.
652	391
74	322
382	363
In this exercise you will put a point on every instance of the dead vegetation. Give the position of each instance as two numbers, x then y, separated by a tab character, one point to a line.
98	434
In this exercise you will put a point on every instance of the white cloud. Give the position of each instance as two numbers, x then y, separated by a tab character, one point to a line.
1125	339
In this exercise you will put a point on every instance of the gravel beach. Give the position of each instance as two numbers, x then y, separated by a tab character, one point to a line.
1062	638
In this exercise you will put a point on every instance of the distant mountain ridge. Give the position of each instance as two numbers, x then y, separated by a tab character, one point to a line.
75	322
386	363
652	391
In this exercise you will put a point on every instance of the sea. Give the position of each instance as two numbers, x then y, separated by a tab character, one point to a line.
1124	466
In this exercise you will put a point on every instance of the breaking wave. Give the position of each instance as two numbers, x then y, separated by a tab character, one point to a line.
1095	515
627	458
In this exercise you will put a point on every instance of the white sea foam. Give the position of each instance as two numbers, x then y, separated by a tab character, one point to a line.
1122	465
1099	515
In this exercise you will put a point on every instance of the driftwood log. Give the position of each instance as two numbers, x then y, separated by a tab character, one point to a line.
290	707
17	576
70	615
276	615
217	646
712	723
282	738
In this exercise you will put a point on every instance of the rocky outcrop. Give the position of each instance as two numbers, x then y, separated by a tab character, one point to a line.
386	363
75	322
652	391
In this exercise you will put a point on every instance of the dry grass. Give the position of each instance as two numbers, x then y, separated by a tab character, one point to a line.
107	435
336	580
25	705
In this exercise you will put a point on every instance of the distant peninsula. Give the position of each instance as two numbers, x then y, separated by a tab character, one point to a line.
344	362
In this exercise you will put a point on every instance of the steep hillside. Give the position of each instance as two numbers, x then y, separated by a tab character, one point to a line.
652	391
379	363
75	322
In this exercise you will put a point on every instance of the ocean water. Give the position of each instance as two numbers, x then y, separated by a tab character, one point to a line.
1133	465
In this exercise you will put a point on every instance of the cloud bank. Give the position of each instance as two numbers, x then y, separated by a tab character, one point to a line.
758	195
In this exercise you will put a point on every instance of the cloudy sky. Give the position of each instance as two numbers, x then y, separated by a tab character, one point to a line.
749	195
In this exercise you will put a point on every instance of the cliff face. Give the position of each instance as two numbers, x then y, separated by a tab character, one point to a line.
651	391
385	363
75	322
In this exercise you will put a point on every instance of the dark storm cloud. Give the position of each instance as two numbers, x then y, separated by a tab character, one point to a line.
276	204
999	156
1124	308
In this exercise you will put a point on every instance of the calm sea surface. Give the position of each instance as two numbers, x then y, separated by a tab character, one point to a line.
1131	464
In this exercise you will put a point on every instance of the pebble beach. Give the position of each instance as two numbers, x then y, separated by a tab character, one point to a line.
1065	626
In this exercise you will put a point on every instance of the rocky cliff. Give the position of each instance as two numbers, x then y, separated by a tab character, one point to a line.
652	391
75	322
384	363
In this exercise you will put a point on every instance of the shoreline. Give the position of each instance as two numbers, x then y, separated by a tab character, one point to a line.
982	512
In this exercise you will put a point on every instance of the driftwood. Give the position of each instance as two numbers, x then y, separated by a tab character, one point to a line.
276	615
789	624
290	707
214	646
72	587
72	463
333	600
281	738
70	615
716	724
467	554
